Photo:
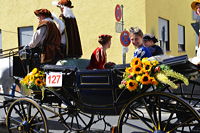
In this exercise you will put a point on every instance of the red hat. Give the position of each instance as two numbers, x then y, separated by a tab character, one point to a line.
193	4
43	12
67	3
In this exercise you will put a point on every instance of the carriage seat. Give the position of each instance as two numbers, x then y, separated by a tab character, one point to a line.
58	68
78	63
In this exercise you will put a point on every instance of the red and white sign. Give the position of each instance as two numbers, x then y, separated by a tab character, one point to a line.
124	38
54	79
118	13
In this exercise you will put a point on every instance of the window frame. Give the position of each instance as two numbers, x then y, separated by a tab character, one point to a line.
184	45
167	43
1	42
18	33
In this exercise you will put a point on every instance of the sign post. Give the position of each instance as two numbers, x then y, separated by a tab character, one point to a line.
124	37
125	41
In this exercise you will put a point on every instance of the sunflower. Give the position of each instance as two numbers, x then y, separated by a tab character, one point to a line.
34	71
39	82
145	79
154	62
129	70
147	66
44	83
153	81
137	70
138	78
132	85
31	77
136	62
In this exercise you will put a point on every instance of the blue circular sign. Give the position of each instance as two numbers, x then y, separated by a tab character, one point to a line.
124	38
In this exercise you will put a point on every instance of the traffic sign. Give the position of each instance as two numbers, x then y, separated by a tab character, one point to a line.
124	38
118	13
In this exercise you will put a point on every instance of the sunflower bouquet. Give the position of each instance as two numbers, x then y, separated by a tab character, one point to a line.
144	72
35	80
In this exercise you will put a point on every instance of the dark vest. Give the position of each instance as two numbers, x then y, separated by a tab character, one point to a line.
50	49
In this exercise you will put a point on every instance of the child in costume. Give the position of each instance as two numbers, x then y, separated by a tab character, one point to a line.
136	36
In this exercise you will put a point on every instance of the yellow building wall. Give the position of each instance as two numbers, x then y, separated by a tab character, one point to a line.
93	17
177	12
97	17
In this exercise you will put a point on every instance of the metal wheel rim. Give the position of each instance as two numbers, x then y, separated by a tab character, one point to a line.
181	117
25	120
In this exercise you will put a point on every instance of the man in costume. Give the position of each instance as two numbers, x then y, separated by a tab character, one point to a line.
47	38
72	43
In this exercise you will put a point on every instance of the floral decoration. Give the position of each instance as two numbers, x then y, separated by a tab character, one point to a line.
145	72
35	80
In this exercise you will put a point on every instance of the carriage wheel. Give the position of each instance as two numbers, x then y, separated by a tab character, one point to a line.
74	119
26	116
158	112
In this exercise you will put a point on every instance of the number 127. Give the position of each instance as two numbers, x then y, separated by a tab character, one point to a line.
54	79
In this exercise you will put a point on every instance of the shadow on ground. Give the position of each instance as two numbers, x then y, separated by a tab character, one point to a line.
54	127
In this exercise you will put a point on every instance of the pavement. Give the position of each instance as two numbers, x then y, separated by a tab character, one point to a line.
56	127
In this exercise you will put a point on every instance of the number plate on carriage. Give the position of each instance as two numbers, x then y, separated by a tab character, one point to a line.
54	79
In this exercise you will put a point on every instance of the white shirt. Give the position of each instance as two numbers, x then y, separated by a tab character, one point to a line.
39	35
61	27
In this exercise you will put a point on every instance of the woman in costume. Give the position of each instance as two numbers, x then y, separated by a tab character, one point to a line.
98	58
149	41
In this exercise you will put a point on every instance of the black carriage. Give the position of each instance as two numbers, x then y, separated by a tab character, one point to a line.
86	93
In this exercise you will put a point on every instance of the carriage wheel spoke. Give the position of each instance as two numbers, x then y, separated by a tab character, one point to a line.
29	112
149	113
34	116
159	114
142	119
131	125
181	124
66	118
23	111
13	128
64	113
19	122
169	119
37	124
72	121
18	113
82	120
85	115
171	116
35	131
77	122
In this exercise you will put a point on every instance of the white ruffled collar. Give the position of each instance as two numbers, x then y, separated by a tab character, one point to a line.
67	12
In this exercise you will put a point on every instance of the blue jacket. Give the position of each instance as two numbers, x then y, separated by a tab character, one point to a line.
142	52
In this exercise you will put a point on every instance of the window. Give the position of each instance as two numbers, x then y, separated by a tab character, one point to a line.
181	38
0	42
24	35
164	34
